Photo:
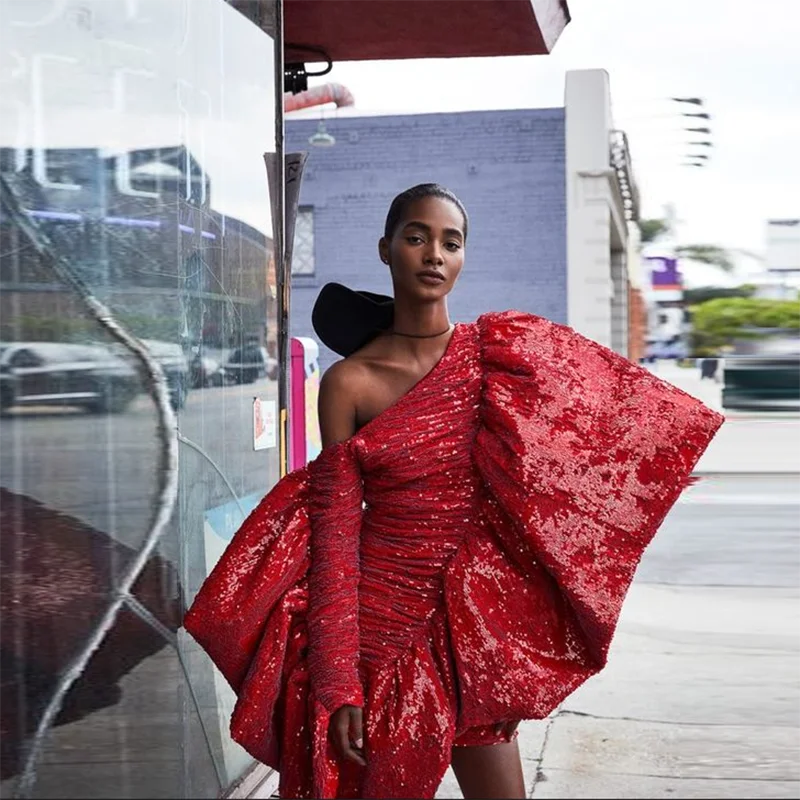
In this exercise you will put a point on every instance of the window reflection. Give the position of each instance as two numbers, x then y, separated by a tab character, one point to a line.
131	163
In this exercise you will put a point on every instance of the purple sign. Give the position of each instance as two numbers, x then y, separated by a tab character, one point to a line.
664	272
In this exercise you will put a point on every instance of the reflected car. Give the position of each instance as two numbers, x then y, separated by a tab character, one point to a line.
249	363
176	369
59	374
205	371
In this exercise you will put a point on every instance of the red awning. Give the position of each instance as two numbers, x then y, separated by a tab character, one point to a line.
362	30
359	30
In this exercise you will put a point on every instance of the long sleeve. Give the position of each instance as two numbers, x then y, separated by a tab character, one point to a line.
335	510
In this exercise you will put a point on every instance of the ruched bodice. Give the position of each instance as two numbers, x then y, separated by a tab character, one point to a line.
421	494
460	561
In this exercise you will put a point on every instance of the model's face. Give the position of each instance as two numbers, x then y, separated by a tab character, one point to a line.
426	251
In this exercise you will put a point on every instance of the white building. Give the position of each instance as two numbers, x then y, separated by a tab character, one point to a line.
602	203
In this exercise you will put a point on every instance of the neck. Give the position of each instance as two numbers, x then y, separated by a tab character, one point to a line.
426	321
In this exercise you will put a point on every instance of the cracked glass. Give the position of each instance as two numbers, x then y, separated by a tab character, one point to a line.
138	379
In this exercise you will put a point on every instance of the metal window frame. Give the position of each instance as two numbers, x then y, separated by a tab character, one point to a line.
261	781
283	279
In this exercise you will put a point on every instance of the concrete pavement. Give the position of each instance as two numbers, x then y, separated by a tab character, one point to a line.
748	442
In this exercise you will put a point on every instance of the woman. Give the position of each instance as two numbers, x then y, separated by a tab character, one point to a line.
456	558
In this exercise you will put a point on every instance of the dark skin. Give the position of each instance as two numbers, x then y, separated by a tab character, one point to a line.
428	239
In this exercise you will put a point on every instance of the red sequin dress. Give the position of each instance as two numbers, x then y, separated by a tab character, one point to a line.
461	560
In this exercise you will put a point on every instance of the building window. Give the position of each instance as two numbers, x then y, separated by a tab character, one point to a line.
303	251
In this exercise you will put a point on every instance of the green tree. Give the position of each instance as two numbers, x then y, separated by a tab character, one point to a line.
718	323
702	294
652	229
707	254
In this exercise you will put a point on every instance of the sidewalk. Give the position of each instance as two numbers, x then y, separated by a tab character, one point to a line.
700	696
748	442
696	701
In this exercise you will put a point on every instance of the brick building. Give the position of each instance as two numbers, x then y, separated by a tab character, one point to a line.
507	167
548	219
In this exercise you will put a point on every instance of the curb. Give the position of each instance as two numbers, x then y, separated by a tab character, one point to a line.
742	473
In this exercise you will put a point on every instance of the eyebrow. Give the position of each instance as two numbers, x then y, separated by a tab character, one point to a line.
427	228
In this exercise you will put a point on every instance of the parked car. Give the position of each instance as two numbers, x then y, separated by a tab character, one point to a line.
764	374
248	363
55	373
672	348
176	368
205	371
762	383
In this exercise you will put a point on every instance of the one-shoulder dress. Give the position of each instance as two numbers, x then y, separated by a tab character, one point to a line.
460	561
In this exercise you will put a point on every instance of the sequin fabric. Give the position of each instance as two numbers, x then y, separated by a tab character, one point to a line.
462	560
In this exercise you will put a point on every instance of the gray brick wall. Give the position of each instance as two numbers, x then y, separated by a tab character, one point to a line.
506	166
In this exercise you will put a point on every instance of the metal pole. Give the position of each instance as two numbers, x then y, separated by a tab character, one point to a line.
282	279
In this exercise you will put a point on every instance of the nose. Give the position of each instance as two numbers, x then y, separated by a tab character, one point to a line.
433	255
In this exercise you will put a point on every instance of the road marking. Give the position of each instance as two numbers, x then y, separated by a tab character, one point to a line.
738	499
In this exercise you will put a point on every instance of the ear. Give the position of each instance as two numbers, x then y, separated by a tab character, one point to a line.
383	249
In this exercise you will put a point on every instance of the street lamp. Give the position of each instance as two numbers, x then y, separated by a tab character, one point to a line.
691	159
321	137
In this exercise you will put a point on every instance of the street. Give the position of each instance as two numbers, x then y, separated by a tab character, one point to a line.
700	697
749	441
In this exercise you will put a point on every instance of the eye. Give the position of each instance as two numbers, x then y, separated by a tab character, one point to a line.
453	246
413	239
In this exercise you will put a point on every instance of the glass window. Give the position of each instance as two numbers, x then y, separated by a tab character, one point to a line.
135	207
303	250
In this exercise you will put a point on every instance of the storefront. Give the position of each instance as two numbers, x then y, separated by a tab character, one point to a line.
144	354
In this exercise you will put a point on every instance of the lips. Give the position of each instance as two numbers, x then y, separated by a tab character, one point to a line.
431	276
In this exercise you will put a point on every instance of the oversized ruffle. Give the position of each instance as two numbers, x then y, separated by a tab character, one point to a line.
580	455
248	607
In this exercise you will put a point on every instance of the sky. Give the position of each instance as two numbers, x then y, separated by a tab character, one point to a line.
740	56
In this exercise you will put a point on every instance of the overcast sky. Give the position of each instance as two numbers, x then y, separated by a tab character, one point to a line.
742	57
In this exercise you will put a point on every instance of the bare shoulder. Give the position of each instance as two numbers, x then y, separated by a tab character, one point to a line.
344	378
352	375
338	399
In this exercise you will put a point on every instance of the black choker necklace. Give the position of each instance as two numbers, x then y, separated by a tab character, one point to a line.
421	335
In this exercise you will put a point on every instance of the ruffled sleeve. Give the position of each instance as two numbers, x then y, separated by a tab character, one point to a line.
587	452
335	510
582	454
267	557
